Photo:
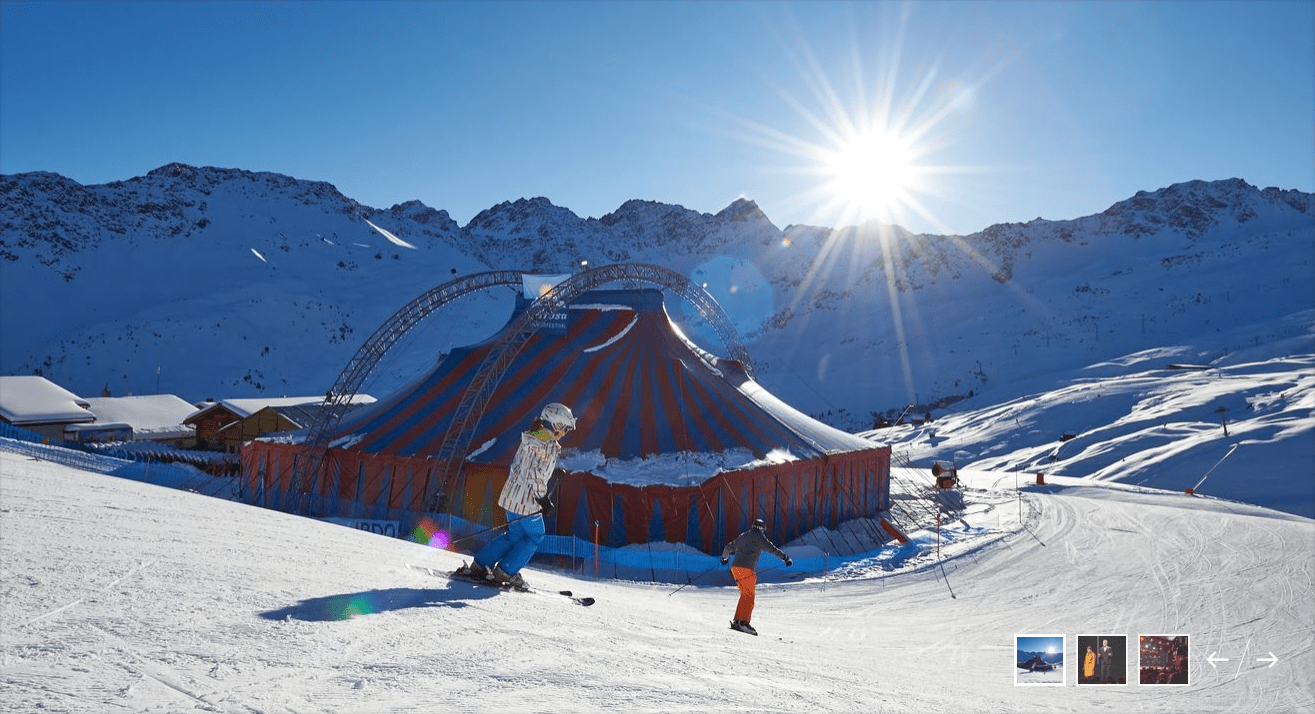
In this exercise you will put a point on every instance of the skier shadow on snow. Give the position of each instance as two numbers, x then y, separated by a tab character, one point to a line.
369	602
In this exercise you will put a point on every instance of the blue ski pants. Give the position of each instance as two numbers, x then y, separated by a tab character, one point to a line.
514	548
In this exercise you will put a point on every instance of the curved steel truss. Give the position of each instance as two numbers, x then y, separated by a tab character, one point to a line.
461	431
367	358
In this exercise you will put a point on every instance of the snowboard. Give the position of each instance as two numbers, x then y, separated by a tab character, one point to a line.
746	629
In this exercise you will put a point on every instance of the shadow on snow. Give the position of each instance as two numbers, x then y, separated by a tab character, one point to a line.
369	602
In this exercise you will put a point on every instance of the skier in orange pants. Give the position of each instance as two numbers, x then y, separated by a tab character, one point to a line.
747	547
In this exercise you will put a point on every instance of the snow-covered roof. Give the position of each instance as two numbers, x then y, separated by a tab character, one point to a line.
29	399
244	408
152	416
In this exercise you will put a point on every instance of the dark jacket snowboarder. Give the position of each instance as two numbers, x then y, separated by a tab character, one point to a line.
747	547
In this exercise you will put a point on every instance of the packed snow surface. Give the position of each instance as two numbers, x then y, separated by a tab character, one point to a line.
121	596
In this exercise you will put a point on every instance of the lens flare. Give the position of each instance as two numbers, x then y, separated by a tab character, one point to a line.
871	141
346	607
742	290
428	532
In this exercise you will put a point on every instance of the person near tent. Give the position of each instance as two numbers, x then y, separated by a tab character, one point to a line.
747	546
1089	663
526	498
1105	660
1178	675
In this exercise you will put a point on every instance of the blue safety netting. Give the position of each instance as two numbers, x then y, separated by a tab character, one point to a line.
653	562
672	563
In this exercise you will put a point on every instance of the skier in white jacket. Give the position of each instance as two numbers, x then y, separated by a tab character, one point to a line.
526	498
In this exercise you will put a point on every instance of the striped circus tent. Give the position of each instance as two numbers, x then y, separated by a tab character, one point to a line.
640	391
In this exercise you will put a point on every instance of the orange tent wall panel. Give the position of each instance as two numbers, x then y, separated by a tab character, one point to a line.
476	497
375	473
793	497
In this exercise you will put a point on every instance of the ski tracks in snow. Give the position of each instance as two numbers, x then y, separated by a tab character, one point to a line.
80	600
1182	575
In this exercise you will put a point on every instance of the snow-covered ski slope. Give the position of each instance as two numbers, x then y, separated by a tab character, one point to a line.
120	596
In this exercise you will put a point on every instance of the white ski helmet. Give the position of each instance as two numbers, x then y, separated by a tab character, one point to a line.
558	414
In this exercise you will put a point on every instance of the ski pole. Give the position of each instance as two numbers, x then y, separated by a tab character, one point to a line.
494	528
692	580
554	483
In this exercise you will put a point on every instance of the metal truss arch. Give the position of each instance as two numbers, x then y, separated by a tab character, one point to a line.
461	430
372	351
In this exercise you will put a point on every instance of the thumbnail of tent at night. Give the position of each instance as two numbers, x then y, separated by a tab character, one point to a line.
640	391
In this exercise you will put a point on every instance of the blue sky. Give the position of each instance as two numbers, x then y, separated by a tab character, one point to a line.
1042	643
943	117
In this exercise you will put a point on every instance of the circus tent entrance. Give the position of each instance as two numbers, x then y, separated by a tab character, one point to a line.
673	443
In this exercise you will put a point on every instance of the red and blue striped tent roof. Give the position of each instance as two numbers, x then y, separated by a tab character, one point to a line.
637	386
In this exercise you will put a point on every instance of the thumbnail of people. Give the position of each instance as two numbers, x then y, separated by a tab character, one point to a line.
1163	659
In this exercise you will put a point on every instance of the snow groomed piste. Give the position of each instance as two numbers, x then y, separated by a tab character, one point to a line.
192	601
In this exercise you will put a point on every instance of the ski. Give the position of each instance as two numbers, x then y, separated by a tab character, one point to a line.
462	576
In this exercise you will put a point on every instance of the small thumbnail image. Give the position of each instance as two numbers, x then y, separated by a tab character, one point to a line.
1162	659
1102	659
1039	660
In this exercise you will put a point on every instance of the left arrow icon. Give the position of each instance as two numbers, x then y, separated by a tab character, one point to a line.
1212	659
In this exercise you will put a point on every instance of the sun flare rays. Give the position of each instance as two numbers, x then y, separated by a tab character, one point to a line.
867	143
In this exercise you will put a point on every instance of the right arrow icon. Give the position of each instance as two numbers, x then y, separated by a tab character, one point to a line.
1271	659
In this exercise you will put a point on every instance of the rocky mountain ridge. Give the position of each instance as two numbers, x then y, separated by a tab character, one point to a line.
277	280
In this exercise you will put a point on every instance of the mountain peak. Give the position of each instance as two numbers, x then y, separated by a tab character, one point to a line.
638	211
742	209
1194	208
174	169
522	212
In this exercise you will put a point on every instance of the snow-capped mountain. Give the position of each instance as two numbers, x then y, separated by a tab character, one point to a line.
1052	657
1150	345
236	283
207	282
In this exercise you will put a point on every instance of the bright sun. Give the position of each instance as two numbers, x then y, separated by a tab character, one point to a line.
871	146
870	174
868	151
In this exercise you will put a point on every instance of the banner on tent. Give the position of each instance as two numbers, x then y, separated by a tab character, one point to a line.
383	528
553	323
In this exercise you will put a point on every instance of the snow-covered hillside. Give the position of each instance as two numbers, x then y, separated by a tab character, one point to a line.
124	596
1115	345
277	281
1236	424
